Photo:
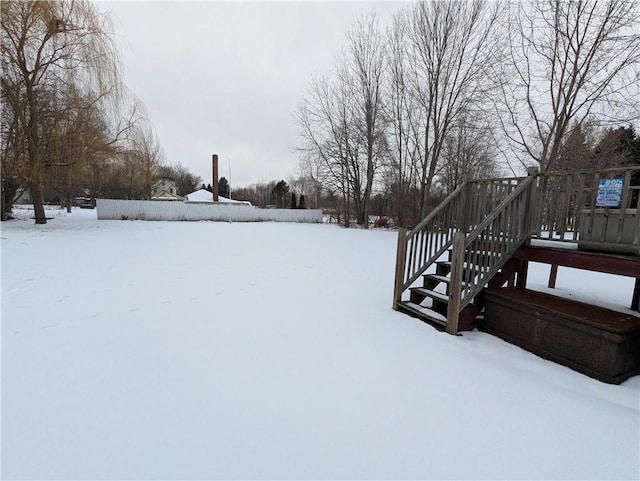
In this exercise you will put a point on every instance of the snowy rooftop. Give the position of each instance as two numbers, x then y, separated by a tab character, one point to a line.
204	195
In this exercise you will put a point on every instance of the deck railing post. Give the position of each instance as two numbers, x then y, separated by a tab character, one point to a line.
462	218
401	253
531	210
455	285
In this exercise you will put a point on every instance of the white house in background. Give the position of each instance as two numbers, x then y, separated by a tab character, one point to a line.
204	195
165	189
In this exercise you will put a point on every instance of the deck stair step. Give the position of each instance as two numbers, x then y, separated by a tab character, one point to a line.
465	265
444	268
437	278
438	296
424	313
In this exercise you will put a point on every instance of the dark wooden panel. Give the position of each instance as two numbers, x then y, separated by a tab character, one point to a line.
595	341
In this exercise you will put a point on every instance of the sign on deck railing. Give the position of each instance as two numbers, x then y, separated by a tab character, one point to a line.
609	192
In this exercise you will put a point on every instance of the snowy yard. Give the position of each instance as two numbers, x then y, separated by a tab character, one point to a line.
202	350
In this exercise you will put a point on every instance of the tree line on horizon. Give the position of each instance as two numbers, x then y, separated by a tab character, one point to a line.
446	90
587	147
69	125
469	88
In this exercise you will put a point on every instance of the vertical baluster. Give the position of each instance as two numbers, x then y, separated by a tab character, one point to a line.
544	206
424	248
563	212
553	206
411	254
580	206
624	202
400	266
636	229
419	237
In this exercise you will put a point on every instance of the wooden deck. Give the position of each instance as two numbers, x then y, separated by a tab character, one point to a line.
595	341
606	262
483	223
490	230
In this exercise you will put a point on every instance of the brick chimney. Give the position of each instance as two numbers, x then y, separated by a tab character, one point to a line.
215	177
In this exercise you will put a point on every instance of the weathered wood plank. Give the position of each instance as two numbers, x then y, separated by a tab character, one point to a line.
400	261
455	288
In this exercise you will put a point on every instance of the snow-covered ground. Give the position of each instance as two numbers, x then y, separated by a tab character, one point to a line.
201	350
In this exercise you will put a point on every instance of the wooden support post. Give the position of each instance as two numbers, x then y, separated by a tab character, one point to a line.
401	253
635	302
552	276
462	219
523	270
455	284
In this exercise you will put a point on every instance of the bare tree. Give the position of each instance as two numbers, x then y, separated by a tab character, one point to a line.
48	47
322	117
577	148
308	182
403	112
342	120
564	62
451	43
258	194
467	153
367	57
77	137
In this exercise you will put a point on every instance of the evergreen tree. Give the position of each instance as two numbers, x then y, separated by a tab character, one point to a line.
224	189
278	192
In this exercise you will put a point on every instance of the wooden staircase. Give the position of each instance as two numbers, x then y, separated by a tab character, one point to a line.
464	250
469	242
430	302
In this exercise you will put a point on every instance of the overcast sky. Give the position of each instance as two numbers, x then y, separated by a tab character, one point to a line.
225	77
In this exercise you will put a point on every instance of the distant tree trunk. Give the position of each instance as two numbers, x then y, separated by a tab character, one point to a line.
38	206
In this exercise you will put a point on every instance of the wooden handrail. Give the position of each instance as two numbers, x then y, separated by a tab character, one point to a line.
433	236
511	215
435	211
426	242
498	210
